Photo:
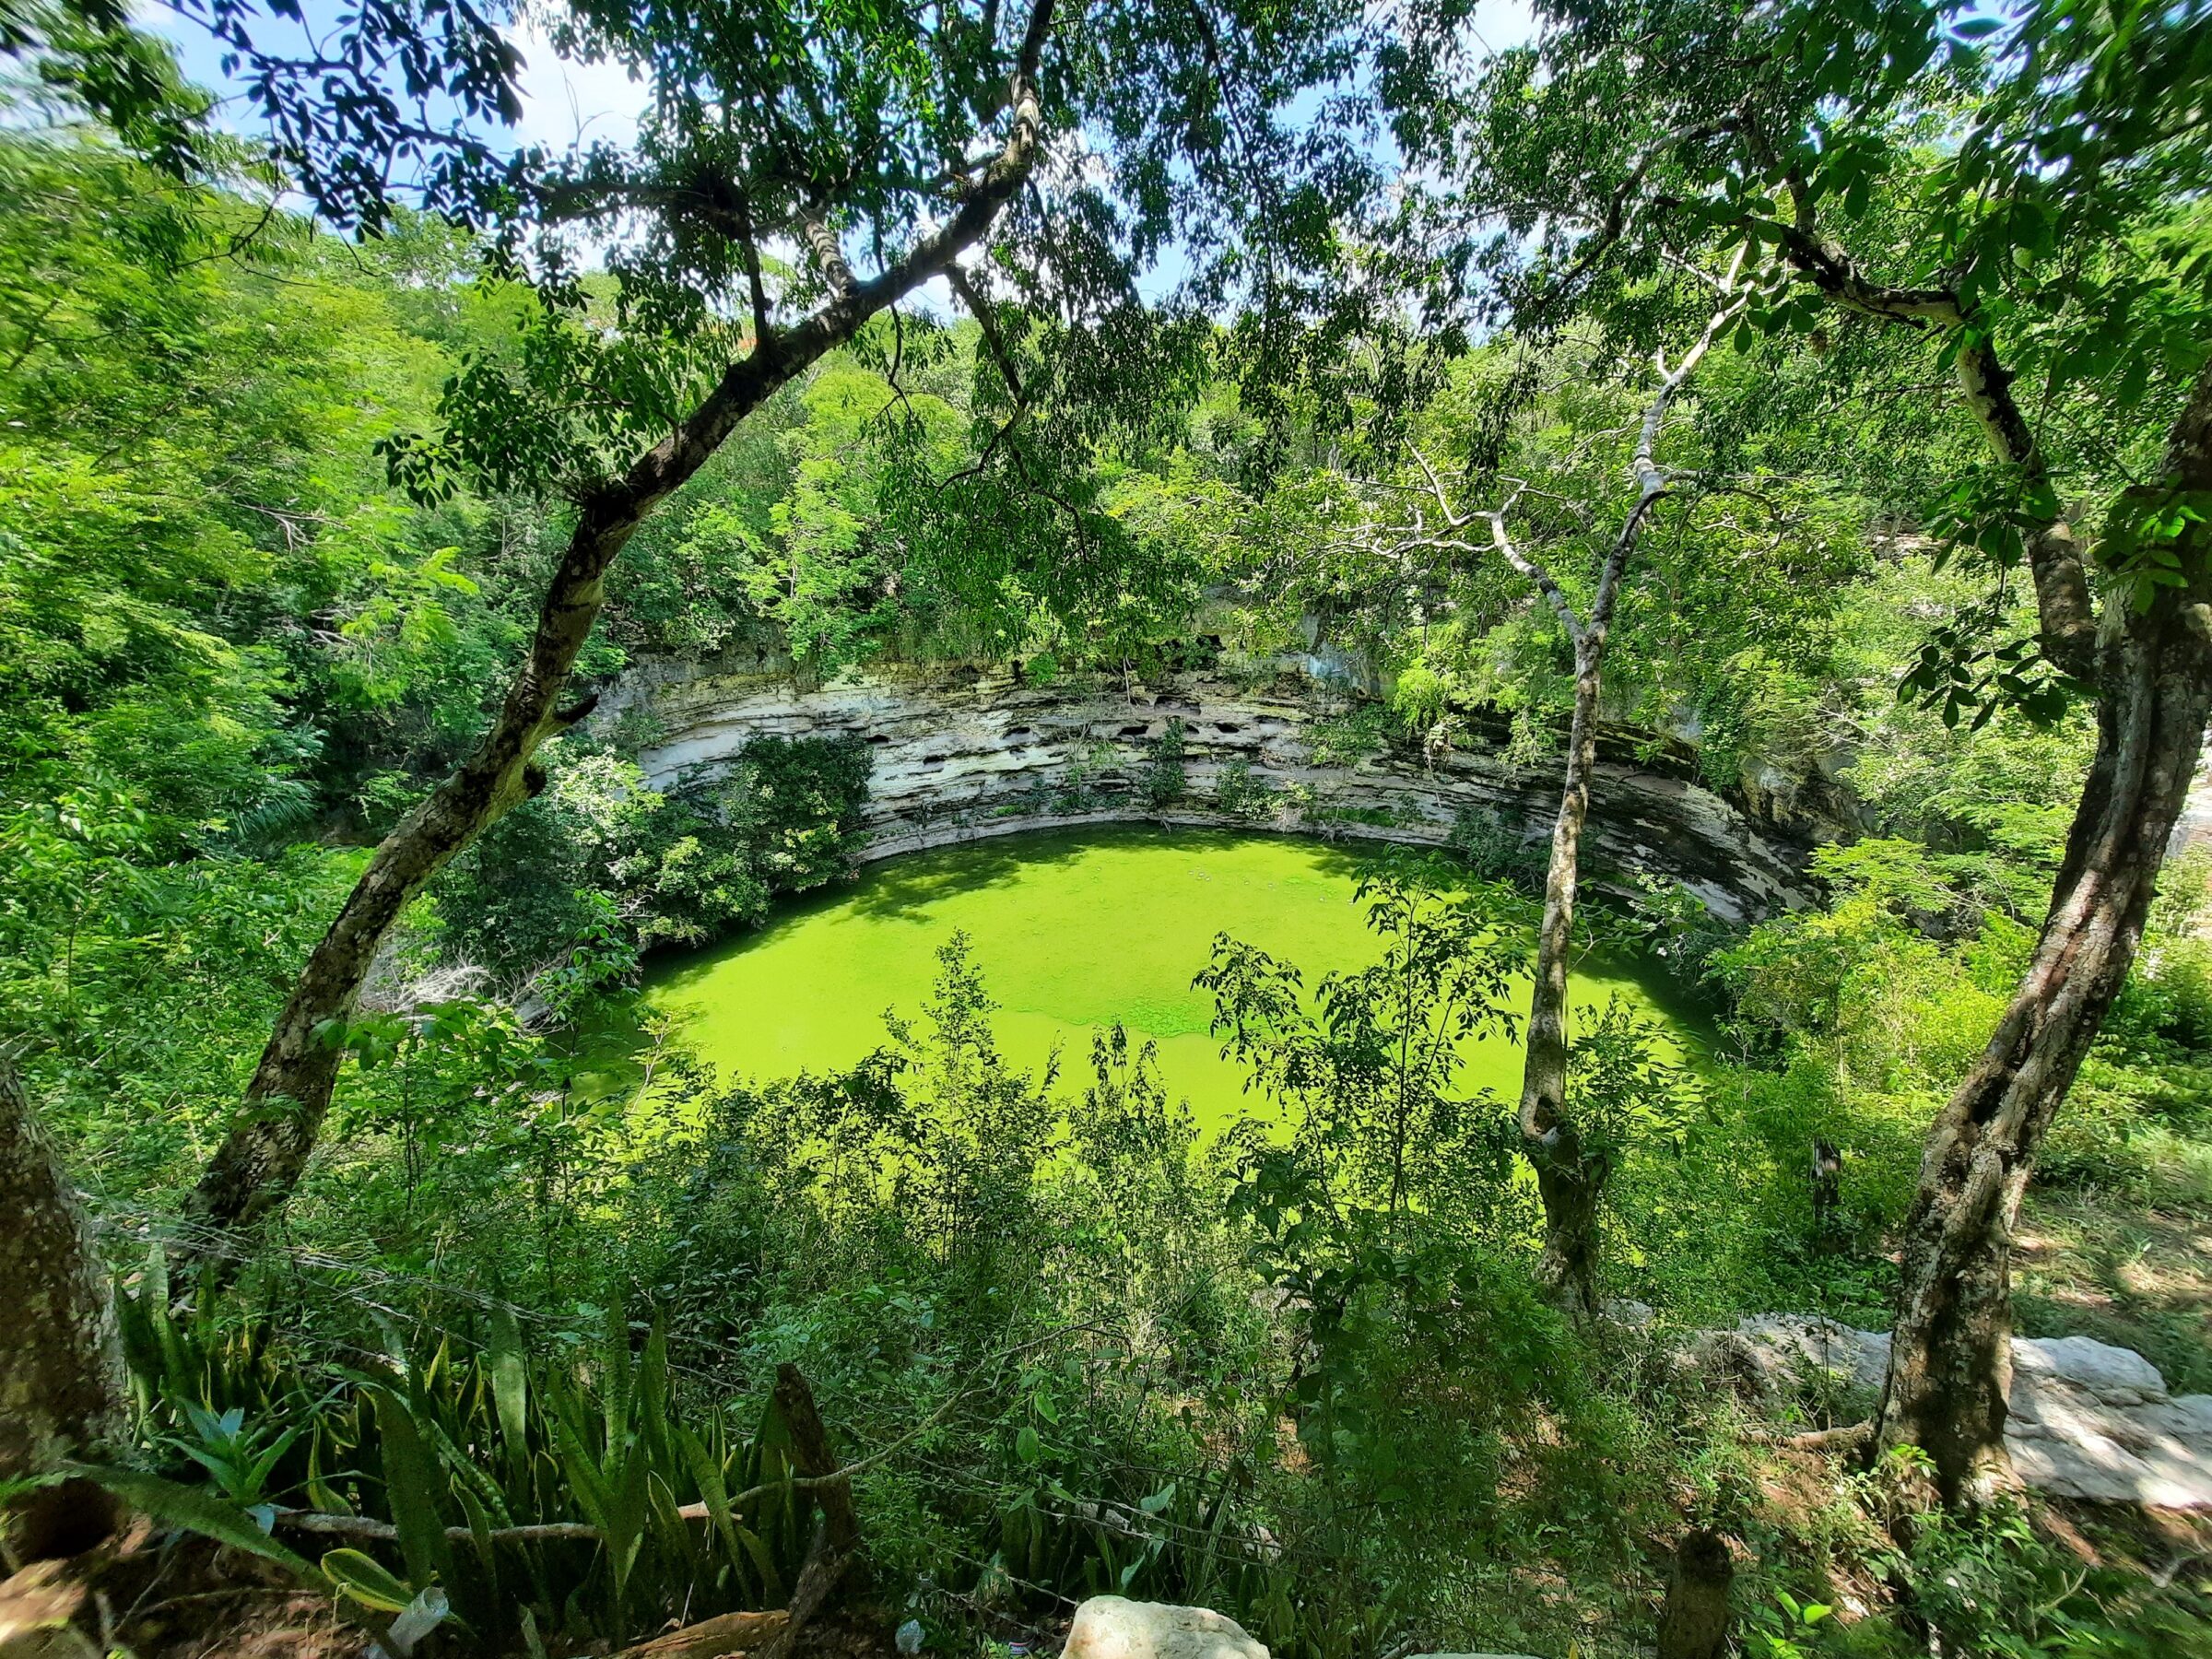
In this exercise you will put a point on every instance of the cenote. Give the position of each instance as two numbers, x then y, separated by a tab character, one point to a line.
1074	931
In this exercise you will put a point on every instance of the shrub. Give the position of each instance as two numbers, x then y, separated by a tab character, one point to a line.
678	866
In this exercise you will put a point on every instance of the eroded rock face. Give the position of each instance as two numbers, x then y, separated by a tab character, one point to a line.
1113	1627
2084	1419
963	754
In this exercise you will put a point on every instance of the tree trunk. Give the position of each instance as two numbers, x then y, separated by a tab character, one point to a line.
1570	1176
1827	1179
1569	1179
1695	1622
261	1159
62	1391
1950	1353
837	1537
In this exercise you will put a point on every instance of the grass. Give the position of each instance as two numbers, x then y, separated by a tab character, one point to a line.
2134	1274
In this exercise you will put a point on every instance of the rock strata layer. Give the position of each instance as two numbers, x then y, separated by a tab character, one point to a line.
960	755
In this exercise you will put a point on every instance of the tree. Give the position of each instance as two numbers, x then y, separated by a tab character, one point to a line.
2027	173
882	150
1370	1071
1571	1173
62	1389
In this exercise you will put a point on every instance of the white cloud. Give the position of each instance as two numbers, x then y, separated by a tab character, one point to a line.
1503	24
566	103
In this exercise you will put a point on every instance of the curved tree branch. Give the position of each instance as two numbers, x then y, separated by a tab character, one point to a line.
268	1147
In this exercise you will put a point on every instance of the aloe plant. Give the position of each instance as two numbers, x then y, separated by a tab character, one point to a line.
544	1497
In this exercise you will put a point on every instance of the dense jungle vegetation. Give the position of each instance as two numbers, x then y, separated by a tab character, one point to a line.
1815	397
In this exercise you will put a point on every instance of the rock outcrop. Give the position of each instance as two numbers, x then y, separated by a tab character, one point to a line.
1113	1627
2085	1419
963	754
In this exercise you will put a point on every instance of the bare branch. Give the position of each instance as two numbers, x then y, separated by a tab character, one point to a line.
987	318
1651	482
1532	571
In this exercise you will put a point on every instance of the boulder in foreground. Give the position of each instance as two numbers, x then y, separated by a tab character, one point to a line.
1113	1627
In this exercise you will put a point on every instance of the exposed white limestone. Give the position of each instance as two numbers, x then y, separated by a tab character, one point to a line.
1113	1627
961	755
2084	1419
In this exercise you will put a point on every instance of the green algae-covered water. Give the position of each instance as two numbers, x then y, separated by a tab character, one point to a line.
1072	931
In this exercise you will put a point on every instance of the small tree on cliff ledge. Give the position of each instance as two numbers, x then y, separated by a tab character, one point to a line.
2015	193
800	170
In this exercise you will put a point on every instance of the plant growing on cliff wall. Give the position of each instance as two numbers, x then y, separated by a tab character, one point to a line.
1078	788
1239	794
1494	850
674	866
1163	781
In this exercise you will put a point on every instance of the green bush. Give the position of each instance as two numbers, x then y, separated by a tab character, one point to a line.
604	850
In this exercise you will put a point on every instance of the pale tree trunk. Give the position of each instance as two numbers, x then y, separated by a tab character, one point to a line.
267	1148
62	1391
1570	1174
1950	1353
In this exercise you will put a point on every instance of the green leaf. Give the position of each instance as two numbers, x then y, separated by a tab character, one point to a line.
320	1492
411	1485
364	1578
706	1474
614	1395
468	1476
196	1509
511	1386
585	1482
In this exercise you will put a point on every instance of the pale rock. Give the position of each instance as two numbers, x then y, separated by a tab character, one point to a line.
2113	1376
1787	1345
1113	1627
2083	1419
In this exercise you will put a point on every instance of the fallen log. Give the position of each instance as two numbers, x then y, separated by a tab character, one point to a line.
726	1637
1848	1438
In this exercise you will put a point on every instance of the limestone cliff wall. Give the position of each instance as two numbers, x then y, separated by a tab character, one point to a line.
963	754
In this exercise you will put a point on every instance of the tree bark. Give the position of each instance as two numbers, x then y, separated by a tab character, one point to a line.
1950	1359
262	1157
1570	1177
63	1390
837	1537
1950	1353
